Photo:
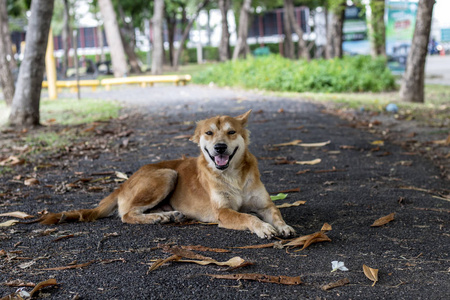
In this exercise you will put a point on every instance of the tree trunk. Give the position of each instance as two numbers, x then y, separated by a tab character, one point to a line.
25	106
65	34
6	77
289	51
334	31
224	47
185	35
158	43
303	51
6	33
412	89
101	43
378	29
129	40
241	43
118	59
171	21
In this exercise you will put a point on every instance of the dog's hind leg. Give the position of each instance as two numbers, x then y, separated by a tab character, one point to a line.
145	192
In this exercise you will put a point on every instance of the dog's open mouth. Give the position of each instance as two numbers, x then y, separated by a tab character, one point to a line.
222	161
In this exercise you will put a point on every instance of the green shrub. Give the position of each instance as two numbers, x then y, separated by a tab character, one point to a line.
273	72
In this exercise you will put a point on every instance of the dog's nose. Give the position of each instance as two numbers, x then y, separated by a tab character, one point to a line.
220	148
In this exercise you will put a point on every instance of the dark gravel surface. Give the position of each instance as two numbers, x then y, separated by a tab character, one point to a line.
411	252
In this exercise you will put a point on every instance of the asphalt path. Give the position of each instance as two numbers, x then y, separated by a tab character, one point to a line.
358	180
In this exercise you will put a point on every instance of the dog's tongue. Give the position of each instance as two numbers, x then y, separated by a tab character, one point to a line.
221	160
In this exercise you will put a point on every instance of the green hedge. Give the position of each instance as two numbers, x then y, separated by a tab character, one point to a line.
275	73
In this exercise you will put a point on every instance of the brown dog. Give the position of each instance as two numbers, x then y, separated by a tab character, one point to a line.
221	185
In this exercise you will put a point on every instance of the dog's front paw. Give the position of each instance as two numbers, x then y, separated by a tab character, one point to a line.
265	230
285	230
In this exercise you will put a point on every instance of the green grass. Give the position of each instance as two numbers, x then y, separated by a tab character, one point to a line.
74	112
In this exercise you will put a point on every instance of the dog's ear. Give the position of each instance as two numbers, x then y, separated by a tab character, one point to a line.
244	117
197	133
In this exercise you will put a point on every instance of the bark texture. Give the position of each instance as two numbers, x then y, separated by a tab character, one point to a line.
334	31
25	106
65	35
303	51
129	40
378	28
289	51
158	47
6	77
224	47
118	58
241	46
412	89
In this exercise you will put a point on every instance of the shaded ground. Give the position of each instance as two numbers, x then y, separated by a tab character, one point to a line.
371	181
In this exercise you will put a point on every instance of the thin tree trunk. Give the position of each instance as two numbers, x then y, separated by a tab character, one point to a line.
334	32
101	44
128	40
303	50
289	51
171	21
241	43
185	35
158	46
224	47
7	35
412	89
118	59
378	29
25	106
66	35
6	77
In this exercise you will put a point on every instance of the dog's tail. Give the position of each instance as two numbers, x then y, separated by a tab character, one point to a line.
104	209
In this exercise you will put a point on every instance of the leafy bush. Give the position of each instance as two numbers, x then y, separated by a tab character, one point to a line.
273	72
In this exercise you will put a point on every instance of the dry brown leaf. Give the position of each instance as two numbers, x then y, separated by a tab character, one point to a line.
291	143
383	220
181	137
8	223
295	190
303	171
370	273
42	285
260	277
12	161
31	181
314	144
309	162
69	267
261	246
16	214
335	284
296	203
203	248
19	283
326	227
158	263
232	262
175	250
307	240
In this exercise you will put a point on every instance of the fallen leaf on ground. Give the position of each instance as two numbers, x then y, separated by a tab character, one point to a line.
383	220
314	144
307	240
203	248
121	175
19	283
335	284
158	263
370	273
184	136
296	203
345	147
12	161
234	262
326	227
42	285
338	265
279	196
69	267
291	143
261	246
260	277
377	143
16	214
8	223
31	181
296	190
309	162
303	171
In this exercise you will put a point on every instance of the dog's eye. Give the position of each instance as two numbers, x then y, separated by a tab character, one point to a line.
209	133
231	132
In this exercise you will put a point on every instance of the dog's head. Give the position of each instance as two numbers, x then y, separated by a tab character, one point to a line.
222	139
